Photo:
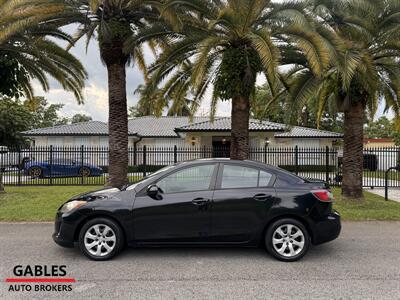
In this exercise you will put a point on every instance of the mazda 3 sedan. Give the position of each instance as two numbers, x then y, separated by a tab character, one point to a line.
203	202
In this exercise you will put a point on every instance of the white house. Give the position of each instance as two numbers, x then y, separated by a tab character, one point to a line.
180	131
190	137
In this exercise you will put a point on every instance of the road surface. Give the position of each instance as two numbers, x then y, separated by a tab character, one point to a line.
364	263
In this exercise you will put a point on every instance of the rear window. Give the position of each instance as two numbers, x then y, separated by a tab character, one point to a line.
287	181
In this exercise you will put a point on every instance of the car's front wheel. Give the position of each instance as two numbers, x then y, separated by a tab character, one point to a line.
287	240
101	239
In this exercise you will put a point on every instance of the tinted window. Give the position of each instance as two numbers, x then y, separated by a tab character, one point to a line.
286	181
187	180
264	179
239	177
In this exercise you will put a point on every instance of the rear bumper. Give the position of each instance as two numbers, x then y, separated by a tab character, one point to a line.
327	229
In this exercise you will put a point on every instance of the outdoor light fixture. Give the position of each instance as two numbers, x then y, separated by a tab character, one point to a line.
223	141
193	141
267	141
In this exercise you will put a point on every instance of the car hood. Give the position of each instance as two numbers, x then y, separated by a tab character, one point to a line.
96	195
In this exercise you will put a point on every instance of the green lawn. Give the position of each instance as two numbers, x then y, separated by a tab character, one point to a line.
41	203
36	203
374	207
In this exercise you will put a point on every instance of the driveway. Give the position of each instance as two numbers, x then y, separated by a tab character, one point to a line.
364	263
393	193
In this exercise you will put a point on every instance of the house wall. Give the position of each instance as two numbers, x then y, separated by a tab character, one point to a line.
372	145
257	139
304	143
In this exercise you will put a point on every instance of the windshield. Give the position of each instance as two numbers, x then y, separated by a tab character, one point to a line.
134	185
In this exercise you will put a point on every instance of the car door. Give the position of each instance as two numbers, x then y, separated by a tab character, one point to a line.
57	167
241	201
180	212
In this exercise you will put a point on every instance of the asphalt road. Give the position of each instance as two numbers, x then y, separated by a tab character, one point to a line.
364	263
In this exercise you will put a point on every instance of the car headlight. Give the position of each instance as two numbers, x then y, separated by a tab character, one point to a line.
71	205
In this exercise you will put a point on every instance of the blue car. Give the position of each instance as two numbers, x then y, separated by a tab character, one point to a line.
60	168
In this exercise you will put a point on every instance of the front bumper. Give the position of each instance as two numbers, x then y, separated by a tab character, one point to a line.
328	229
64	232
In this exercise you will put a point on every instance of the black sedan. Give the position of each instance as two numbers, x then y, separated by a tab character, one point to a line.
203	202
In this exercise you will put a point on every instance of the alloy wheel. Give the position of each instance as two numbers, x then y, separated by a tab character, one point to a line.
100	240
288	240
35	172
85	172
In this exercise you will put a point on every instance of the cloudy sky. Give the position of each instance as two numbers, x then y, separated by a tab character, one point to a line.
95	92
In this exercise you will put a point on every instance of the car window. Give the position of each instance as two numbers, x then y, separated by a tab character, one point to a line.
196	178
286	181
239	177
264	179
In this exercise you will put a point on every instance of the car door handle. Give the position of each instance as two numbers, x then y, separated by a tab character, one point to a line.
200	201
262	197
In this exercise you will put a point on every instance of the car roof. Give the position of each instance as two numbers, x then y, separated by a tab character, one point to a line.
246	162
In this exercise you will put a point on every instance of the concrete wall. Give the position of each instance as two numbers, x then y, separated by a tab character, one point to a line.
257	140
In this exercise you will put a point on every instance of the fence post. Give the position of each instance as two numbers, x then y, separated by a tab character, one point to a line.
296	159
144	160
175	154
19	166
327	164
51	165
134	154
265	153
82	154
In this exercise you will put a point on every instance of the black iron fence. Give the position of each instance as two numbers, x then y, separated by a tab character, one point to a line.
89	165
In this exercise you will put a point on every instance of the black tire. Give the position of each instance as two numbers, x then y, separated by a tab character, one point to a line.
84	171
269	237
35	172
119	238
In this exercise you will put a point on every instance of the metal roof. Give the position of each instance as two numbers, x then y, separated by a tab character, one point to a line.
224	124
169	127
303	132
83	129
160	127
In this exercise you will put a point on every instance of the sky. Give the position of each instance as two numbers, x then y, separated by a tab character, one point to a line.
95	92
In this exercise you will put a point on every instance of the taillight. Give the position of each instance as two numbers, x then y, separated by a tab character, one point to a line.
323	195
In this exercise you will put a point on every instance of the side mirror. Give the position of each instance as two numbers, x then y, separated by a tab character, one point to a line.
152	191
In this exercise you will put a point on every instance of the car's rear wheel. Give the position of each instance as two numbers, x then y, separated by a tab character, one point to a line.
84	171
35	172
101	239
287	240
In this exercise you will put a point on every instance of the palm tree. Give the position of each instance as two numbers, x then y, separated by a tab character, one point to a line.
154	102
27	33
366	72
114	23
18	16
227	44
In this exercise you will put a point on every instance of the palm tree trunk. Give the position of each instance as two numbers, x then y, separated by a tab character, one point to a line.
1	181
115	61
353	152
240	128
